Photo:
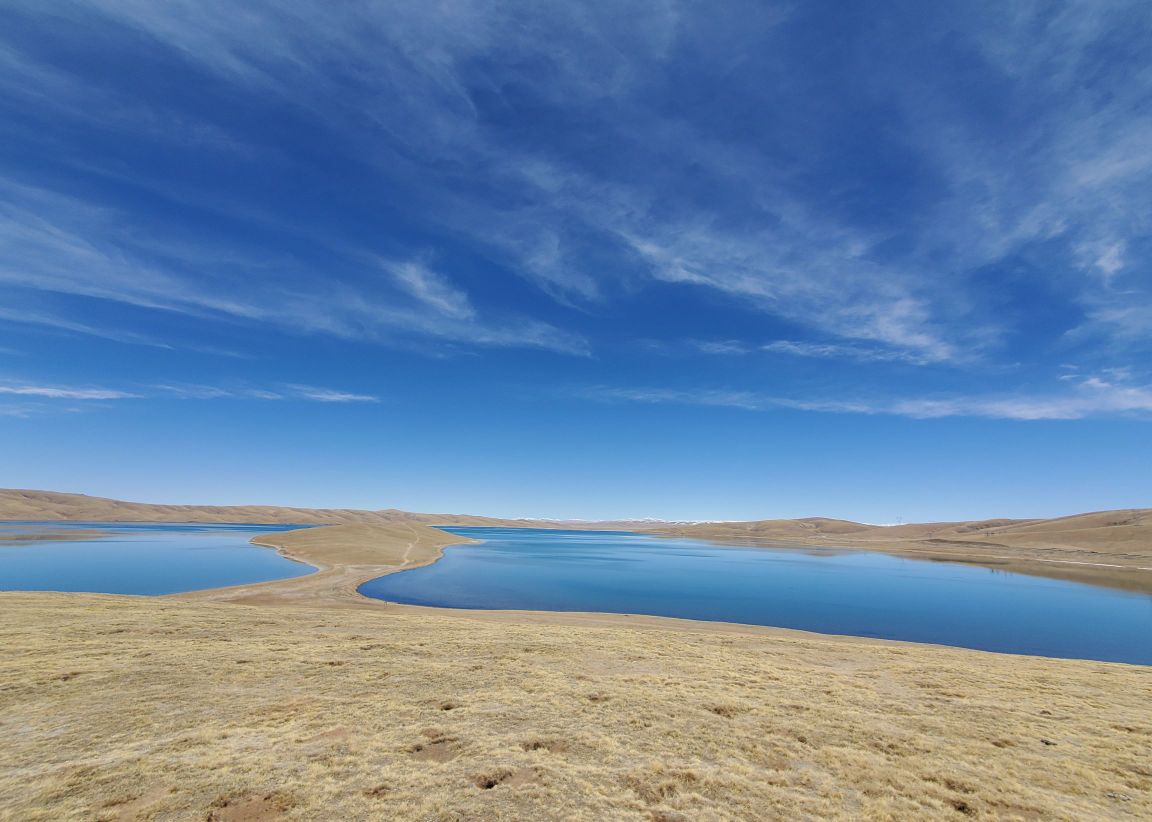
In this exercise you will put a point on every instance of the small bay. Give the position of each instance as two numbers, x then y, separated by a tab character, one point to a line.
138	558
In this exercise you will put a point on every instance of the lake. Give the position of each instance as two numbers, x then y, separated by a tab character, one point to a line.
141	558
849	592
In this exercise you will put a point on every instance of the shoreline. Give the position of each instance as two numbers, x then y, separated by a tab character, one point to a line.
336	584
340	564
17	537
1027	561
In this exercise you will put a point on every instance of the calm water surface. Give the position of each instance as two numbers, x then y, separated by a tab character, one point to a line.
854	592
141	558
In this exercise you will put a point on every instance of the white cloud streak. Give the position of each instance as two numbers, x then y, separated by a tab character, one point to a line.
430	288
57	393
797	348
192	391
53	321
310	392
1091	397
306	393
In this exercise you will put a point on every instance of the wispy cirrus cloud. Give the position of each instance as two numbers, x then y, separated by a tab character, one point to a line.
31	316
848	352
1089	397
799	348
309	393
62	393
713	397
721	398
190	391
1093	397
430	288
57	244
193	391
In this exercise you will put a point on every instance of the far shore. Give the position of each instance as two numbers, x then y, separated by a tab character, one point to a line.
1124	572
21	535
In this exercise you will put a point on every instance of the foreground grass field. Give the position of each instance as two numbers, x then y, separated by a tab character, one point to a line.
116	708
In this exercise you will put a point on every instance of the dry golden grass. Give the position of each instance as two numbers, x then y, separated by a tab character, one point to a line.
397	544
117	708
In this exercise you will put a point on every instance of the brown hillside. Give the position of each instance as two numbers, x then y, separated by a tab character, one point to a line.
21	504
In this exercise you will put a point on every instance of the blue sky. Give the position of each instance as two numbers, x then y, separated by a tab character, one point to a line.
662	259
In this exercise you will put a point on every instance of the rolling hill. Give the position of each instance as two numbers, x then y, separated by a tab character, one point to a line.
19	504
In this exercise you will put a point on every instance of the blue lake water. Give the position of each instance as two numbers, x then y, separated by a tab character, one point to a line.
142	558
852	592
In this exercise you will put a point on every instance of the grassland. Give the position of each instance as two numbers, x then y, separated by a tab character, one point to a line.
116	709
298	700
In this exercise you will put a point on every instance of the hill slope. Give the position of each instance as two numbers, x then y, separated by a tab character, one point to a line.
1111	548
1113	532
22	504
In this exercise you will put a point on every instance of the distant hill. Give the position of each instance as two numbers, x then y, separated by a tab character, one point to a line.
17	504
1125	532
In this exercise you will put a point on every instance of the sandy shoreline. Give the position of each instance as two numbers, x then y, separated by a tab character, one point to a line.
345	556
1126	573
340	553
20	534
